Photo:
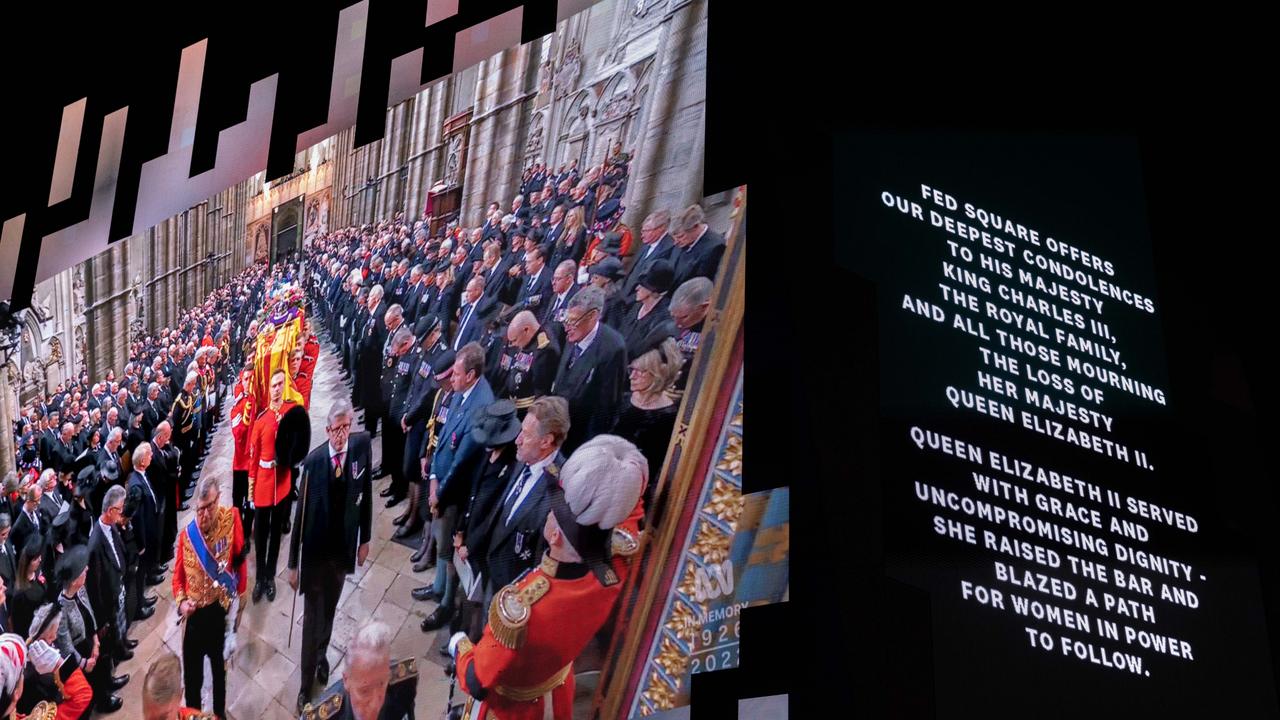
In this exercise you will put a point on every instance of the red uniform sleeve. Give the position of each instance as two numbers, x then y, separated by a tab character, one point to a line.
180	567
481	667
76	697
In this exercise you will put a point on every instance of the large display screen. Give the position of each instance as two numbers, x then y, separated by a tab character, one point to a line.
1034	481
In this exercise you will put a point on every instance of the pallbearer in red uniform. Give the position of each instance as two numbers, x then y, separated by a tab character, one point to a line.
538	625
269	487
162	692
301	378
208	574
243	412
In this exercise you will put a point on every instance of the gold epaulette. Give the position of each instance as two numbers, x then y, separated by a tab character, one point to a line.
44	710
543	340
329	706
624	543
525	403
509	612
403	670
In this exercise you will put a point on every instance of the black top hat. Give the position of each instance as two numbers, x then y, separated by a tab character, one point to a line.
425	324
498	426
610	267
71	564
659	278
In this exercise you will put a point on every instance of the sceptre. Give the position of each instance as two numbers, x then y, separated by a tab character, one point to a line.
302	518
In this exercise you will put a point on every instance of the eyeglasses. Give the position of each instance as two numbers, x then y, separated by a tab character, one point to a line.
638	371
206	507
580	319
346	427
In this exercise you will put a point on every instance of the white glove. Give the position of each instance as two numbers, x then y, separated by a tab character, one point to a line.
44	657
453	644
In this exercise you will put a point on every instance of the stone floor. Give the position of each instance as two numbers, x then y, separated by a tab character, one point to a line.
263	678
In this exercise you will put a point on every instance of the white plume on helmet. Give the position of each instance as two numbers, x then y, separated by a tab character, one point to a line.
603	480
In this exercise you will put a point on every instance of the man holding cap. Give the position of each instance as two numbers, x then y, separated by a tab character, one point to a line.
538	625
527	366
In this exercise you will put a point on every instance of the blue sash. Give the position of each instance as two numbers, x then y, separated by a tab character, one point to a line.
225	578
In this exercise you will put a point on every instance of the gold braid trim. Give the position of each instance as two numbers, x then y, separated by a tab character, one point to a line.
509	611
533	692
44	710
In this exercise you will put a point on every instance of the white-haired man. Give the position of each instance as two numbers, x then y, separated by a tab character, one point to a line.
373	686
539	624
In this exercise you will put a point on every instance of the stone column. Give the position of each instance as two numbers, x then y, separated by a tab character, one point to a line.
7	402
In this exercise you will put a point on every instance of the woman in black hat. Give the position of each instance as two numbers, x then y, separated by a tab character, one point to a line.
29	587
648	414
649	315
77	637
605	275
496	431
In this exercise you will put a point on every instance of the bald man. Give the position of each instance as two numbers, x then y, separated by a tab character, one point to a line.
527	366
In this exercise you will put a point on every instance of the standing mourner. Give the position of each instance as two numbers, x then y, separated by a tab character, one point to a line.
333	524
538	625
209	574
269	487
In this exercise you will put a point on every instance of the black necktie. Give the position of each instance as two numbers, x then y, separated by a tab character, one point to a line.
515	493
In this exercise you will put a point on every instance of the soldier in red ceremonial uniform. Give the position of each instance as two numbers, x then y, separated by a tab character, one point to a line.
209	573
301	378
243	411
310	354
522	668
269	487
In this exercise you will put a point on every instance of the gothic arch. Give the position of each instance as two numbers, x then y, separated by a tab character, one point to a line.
575	129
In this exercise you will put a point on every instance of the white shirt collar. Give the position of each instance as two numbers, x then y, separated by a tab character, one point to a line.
334	453
467	393
695	240
585	342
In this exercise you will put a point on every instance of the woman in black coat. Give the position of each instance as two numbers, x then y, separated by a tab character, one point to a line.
30	590
648	414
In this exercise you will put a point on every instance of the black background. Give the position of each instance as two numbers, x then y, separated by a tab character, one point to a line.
1193	90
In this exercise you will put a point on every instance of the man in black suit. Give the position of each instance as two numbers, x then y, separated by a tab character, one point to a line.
556	304
593	368
8	556
29	521
334	522
106	576
656	245
372	341
414	293
469	323
511	541
146	517
534	283
698	249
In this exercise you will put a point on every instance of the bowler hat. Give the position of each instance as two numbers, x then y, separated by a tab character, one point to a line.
659	277
610	267
498	426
